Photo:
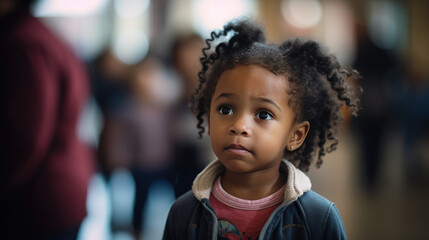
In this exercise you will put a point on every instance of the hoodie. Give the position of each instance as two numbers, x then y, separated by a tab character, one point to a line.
303	213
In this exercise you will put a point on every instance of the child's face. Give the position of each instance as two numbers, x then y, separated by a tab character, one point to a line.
250	121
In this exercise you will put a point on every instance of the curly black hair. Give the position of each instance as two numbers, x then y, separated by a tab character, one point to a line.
319	85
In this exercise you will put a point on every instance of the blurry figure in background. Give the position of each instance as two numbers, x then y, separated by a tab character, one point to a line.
108	80
45	168
140	137
413	114
185	57
376	66
109	88
191	152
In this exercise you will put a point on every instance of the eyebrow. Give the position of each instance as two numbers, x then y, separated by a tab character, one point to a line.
268	101
224	95
261	99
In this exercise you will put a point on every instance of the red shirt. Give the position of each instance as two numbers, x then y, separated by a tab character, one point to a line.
240	218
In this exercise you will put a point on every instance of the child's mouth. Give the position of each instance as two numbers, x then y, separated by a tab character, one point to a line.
236	148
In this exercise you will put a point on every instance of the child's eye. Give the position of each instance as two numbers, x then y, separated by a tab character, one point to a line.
225	110
264	115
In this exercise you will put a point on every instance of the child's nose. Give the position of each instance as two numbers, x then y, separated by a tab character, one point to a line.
240	127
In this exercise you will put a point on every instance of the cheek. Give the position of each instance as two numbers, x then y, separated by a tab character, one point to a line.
216	142
274	141
215	129
209	122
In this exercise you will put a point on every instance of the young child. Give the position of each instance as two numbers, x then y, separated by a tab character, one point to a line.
271	110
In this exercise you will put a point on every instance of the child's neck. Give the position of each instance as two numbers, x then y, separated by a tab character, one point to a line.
252	186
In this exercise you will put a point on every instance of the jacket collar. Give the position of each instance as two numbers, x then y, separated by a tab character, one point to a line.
297	182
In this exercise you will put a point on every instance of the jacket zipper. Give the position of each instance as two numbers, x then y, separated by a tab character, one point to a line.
264	229
215	230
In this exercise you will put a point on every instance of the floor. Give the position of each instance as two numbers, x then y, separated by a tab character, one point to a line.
393	210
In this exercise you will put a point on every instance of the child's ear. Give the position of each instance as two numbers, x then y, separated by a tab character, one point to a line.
298	134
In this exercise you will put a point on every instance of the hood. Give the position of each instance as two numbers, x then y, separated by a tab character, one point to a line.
297	182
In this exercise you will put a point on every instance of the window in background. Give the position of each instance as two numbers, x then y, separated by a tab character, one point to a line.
338	27
68	8
387	24
131	31
83	24
209	15
302	14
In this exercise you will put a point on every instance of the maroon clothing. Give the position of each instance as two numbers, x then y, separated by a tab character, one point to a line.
44	168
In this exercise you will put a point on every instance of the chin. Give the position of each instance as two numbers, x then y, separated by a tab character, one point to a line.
237	165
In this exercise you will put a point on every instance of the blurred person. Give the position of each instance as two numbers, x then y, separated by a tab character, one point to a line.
377	118
272	110
413	114
190	153
140	136
109	76
185	56
45	168
109	88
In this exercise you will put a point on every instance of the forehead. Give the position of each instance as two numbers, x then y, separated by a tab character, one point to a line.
252	80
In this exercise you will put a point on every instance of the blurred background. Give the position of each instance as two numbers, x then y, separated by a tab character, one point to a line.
142	57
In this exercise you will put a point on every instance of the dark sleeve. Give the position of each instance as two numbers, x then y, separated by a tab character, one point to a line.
334	227
30	96
322	217
179	217
169	230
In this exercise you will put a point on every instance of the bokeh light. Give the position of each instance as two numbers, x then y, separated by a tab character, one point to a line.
210	15
131	8
63	8
131	46
303	14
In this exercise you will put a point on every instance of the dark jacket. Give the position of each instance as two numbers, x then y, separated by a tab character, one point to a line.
304	214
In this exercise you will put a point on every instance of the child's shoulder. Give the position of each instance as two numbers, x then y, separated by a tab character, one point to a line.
321	215
186	204
315	205
187	199
313	200
180	215
182	209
